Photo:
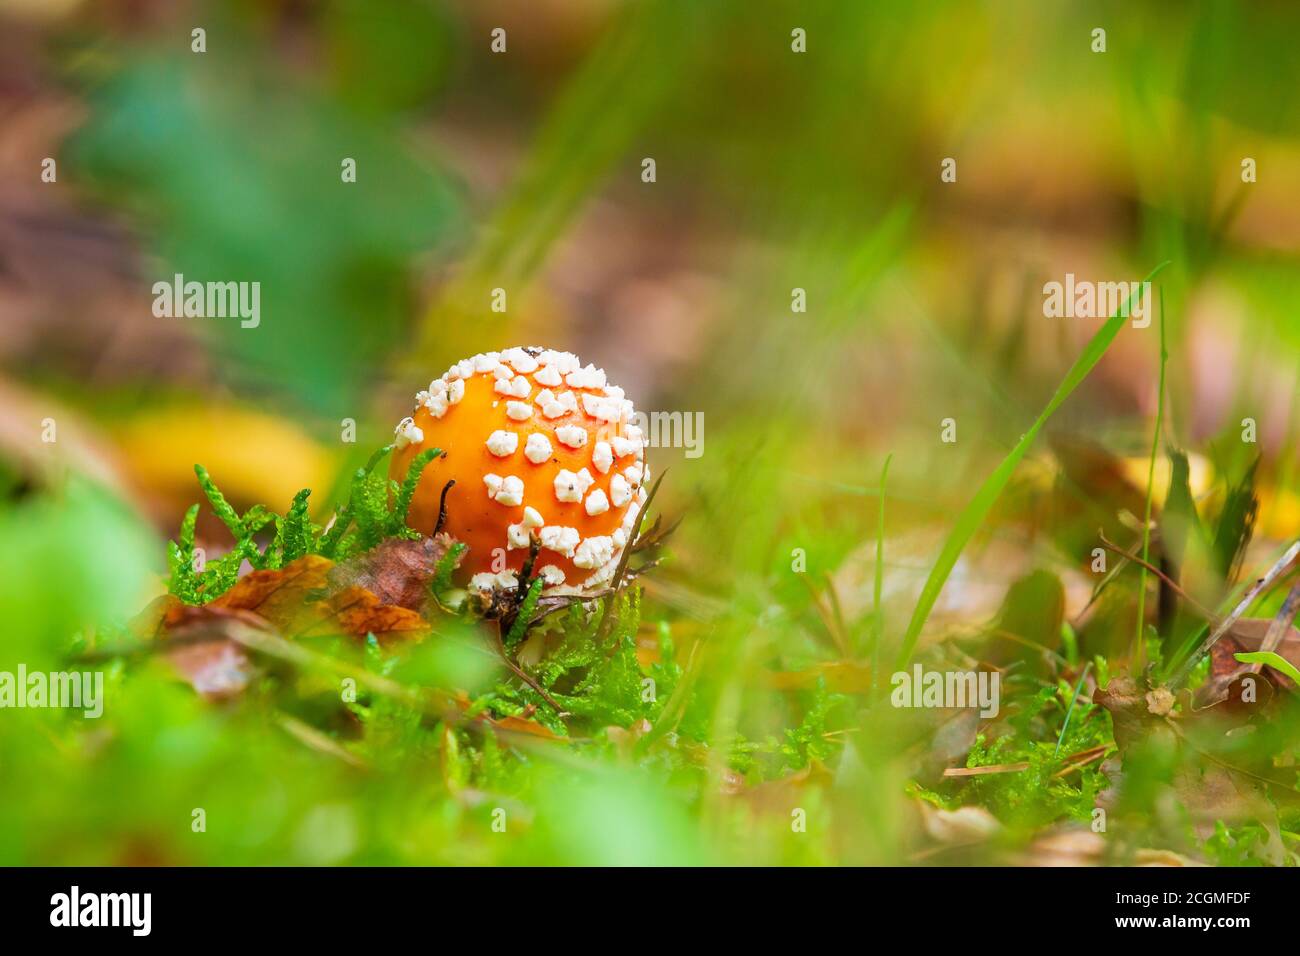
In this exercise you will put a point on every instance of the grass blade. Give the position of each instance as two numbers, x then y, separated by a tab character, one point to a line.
973	514
1139	645
1273	660
1069	711
878	585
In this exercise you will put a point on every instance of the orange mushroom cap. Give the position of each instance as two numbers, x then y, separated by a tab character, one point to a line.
539	446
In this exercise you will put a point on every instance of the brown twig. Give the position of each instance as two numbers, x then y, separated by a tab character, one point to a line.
634	573
657	535
606	620
981	771
526	572
1025	642
1116	549
522	674
442	506
839	642
1081	759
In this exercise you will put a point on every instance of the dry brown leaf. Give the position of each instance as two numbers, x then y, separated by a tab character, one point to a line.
216	669
196	646
358	612
1160	702
293	601
1203	786
297	600
514	725
1246	635
398	572
782	795
1077	847
160	613
284	596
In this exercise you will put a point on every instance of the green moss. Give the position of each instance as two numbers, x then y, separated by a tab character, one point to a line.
376	509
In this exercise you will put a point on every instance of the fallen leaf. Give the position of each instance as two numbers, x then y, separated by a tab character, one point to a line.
1028	625
1204	787
359	612
254	456
782	795
510	725
157	615
1246	636
197	647
294	601
216	669
288	597
1077	847
397	571
299	600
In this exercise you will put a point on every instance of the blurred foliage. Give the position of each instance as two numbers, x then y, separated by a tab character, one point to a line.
236	167
776	171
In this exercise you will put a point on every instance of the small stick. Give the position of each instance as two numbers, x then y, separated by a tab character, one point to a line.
1082	759
534	546
829	622
1116	549
442	506
606	620
981	771
322	743
522	674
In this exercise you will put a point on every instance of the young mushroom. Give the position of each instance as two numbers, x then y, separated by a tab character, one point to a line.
539	447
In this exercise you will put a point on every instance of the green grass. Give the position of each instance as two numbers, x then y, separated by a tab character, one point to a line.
696	714
1139	642
972	516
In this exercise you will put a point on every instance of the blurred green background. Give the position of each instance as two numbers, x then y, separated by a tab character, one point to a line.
775	170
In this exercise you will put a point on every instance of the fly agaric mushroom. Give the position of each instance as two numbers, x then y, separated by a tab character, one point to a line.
539	446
